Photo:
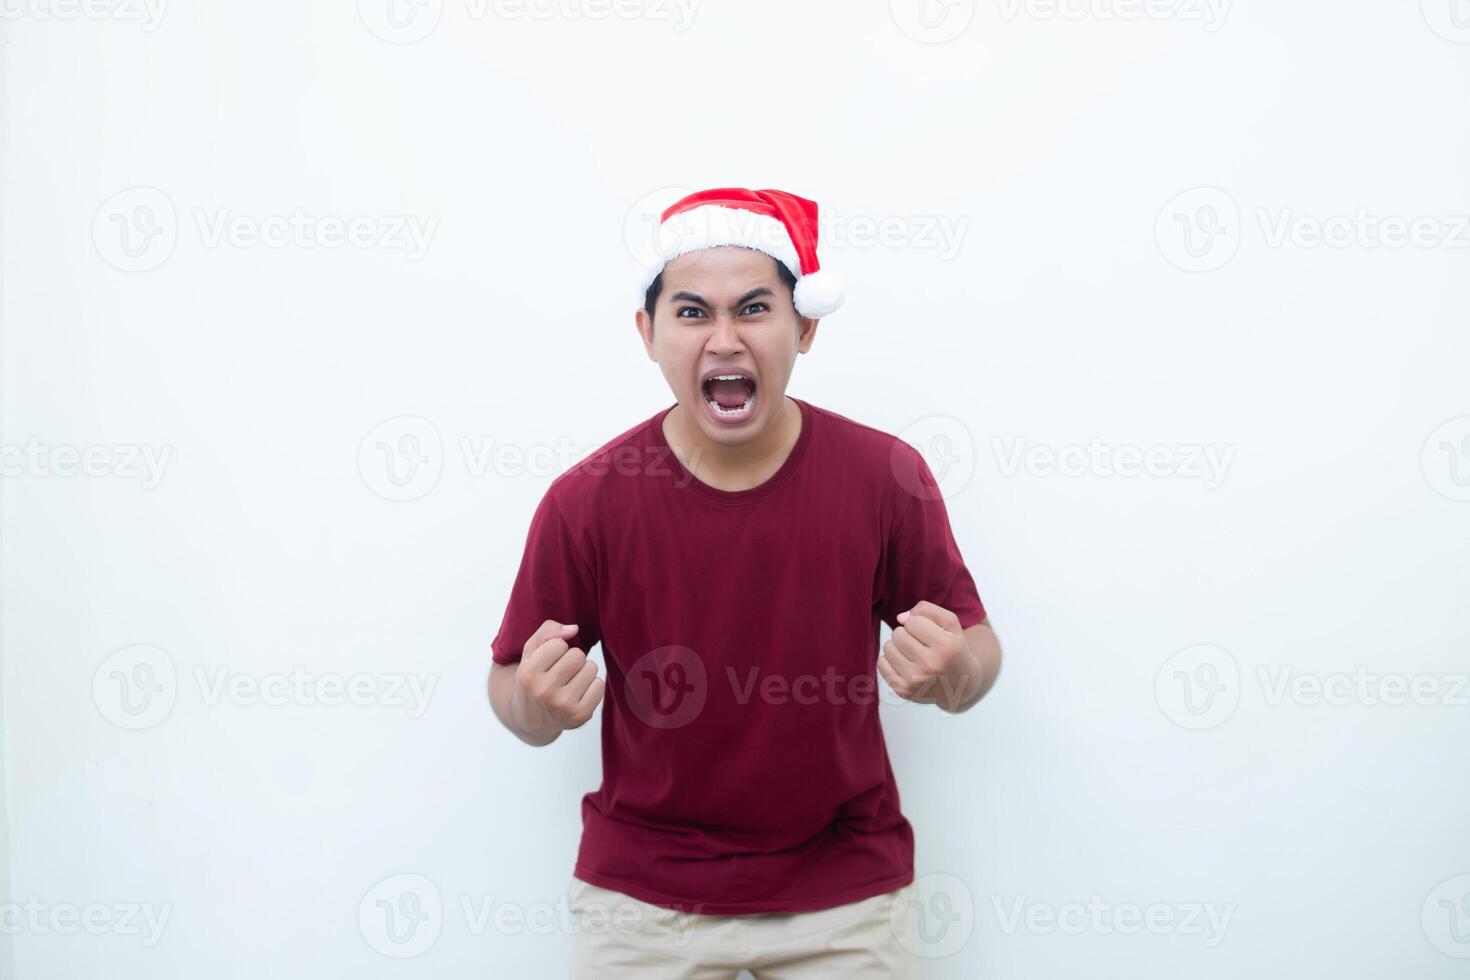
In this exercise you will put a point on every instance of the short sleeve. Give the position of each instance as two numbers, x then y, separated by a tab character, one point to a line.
920	559
554	582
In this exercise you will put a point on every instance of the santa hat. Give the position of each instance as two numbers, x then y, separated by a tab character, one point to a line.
779	224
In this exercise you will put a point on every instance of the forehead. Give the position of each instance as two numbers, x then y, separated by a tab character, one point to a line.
726	267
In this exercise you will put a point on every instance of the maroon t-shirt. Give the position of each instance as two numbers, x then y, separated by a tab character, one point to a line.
743	763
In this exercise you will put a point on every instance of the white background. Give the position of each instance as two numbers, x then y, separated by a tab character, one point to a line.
1071	311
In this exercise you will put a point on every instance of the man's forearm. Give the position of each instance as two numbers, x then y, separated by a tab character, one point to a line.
984	649
513	710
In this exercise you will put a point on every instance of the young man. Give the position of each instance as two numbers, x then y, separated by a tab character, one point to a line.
734	555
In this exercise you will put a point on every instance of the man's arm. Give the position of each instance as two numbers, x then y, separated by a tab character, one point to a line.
984	647
511	708
552	688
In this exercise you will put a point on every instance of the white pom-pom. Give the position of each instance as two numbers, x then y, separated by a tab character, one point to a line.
820	293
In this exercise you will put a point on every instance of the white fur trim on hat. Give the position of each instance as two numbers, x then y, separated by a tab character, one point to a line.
713	225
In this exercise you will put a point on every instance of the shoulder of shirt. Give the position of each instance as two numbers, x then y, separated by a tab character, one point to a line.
881	458
868	443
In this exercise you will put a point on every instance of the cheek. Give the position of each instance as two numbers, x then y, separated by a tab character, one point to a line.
676	360
775	359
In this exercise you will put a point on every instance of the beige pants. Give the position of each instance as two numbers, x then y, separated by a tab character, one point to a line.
619	936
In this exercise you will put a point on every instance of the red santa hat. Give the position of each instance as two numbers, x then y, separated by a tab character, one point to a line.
782	225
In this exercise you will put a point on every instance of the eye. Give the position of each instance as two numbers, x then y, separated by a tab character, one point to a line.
689	309
754	306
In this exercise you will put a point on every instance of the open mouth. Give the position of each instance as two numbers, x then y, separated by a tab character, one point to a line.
729	396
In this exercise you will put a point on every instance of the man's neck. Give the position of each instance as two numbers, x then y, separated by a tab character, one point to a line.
733	468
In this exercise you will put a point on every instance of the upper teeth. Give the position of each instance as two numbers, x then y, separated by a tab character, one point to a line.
728	377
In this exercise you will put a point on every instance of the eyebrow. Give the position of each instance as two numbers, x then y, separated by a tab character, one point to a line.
696	298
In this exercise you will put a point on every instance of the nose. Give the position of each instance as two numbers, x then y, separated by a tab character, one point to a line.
725	337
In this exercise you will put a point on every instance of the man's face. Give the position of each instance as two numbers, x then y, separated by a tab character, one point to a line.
724	312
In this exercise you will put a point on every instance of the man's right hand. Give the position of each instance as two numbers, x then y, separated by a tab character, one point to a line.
558	683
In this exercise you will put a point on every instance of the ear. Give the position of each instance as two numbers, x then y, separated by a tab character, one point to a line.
644	322
806	332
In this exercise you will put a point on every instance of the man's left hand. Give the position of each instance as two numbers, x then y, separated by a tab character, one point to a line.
928	660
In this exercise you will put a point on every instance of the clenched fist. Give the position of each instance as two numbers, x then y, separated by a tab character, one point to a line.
558	683
927	659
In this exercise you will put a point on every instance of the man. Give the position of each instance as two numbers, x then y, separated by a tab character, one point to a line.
735	554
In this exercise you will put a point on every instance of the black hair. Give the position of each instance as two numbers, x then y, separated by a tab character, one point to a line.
650	298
